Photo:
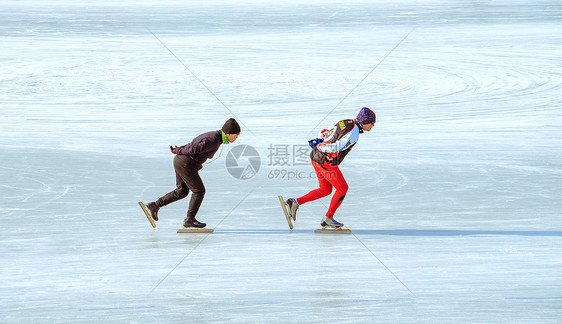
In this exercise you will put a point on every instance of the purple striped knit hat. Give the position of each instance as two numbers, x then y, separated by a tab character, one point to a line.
366	116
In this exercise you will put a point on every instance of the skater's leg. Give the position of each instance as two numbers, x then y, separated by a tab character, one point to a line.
193	180
181	190
335	177
325	187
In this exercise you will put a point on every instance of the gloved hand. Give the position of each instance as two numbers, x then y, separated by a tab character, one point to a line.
314	142
173	149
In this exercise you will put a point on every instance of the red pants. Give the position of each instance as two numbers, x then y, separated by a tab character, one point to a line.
328	176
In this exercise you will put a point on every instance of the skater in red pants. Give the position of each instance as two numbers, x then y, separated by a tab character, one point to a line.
328	151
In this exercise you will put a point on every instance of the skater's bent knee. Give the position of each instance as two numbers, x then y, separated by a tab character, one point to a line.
199	192
182	193
325	191
343	189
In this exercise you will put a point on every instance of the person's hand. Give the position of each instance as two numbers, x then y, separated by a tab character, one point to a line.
314	142
173	149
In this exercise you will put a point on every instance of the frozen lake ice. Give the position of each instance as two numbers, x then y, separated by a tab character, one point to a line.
454	197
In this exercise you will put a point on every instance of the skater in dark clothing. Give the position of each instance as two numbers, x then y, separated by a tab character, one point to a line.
188	161
328	151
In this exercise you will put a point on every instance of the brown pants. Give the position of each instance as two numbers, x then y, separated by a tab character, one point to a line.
187	178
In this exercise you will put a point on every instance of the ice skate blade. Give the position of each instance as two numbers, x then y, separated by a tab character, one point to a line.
195	230
287	217
147	213
338	230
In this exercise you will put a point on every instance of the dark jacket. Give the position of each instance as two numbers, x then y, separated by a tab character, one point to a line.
202	148
337	143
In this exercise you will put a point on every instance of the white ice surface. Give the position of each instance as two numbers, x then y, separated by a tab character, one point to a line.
454	200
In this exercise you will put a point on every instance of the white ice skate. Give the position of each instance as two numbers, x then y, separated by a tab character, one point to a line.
330	225
330	222
293	207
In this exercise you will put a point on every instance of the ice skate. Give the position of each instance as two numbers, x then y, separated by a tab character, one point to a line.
293	206
153	210
192	222
330	225
191	225
330	222
148	214
285	208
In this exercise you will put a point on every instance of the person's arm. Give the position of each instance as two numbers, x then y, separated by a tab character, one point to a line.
325	135
195	147
346	141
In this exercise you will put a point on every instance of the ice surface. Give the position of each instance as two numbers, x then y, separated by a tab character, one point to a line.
454	197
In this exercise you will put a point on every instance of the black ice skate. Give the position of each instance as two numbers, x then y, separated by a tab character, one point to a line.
153	210
192	222
193	226
148	214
